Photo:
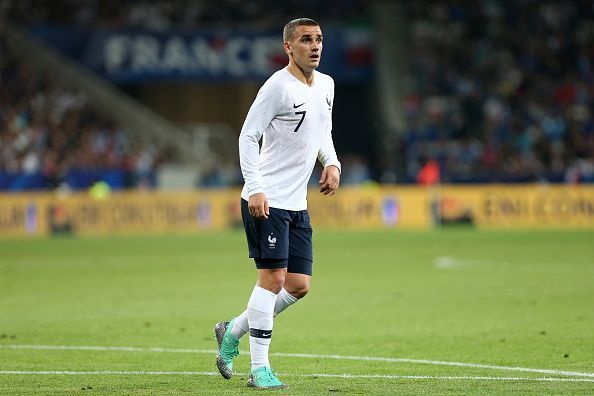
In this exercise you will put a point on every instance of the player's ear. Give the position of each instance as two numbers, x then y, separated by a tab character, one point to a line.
287	47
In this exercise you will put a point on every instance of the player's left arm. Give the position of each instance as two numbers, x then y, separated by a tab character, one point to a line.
330	179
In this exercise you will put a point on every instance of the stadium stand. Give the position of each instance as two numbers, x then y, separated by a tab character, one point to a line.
50	135
497	91
187	14
503	91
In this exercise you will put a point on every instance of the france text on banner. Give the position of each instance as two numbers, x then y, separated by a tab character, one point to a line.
208	54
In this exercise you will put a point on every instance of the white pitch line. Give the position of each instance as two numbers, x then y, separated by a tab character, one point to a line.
309	356
453	263
439	363
313	375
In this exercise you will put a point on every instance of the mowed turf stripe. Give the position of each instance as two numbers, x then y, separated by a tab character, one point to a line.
308	356
313	375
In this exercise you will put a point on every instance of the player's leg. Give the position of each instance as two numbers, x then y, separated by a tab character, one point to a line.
272	270
299	271
300	262
297	279
296	282
260	313
227	342
296	287
258	317
268	245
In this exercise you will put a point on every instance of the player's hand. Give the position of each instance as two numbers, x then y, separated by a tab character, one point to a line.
330	180
258	206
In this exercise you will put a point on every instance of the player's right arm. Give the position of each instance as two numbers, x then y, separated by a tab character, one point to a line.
258	206
263	110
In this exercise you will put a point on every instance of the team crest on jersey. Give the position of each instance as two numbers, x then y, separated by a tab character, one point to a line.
271	241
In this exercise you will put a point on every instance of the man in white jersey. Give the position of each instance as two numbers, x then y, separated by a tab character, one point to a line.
292	113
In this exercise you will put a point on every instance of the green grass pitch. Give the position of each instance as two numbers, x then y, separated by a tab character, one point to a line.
449	311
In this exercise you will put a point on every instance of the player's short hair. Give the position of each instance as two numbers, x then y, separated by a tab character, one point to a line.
291	26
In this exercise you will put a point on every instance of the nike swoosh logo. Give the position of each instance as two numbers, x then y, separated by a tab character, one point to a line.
295	106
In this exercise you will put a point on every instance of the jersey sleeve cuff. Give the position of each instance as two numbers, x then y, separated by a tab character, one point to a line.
254	190
336	164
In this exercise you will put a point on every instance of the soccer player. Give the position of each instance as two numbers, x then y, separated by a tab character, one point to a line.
292	113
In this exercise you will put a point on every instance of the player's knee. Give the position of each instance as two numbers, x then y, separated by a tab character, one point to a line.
277	286
299	291
276	281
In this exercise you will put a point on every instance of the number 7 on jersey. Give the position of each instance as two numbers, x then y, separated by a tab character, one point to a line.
302	113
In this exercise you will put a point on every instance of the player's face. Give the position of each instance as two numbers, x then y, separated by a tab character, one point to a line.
306	47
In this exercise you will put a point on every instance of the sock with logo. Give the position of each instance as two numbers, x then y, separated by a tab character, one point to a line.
260	319
283	300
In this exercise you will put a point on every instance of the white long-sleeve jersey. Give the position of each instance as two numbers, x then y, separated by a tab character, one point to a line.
295	121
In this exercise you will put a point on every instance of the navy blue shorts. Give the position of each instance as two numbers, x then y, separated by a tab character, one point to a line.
281	241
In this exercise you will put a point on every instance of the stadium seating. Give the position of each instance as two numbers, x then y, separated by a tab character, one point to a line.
502	91
50	136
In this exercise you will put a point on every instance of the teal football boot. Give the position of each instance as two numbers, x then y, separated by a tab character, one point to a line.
228	348
264	378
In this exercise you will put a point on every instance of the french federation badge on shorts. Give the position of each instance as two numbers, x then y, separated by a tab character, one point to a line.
271	241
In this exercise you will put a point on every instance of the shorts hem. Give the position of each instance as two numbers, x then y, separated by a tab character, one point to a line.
265	263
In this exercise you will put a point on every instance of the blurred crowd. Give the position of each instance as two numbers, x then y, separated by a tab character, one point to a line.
499	91
179	14
503	91
50	136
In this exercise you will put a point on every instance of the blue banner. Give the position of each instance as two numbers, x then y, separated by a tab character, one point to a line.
127	56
